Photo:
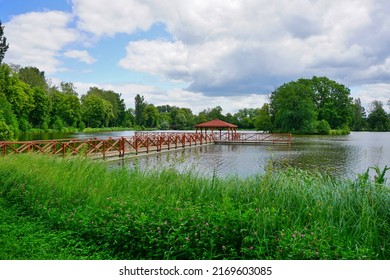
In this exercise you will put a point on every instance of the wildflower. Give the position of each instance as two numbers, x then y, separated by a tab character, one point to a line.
251	248
223	247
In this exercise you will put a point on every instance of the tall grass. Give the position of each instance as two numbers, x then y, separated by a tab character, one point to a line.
131	214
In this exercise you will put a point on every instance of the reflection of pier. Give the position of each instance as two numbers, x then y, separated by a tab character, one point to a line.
140	143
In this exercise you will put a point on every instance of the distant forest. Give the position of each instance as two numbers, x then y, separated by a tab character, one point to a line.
307	106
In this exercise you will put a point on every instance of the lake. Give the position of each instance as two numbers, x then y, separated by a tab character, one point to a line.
342	156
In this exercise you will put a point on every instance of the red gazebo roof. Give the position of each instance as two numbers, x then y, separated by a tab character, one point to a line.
216	124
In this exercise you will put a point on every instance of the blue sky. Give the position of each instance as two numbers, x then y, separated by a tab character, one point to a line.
201	54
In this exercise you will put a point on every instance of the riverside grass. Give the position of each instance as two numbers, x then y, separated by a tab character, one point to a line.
117	213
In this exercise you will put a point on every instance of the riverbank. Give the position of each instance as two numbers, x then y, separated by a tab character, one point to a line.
114	213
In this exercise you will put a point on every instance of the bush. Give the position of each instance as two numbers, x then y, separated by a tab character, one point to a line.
323	127
5	132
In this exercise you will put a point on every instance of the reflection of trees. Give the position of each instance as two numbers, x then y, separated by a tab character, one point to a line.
320	154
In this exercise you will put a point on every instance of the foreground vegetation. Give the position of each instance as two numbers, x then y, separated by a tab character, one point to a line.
55	208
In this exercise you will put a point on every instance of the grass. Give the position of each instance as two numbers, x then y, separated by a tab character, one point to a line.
79	209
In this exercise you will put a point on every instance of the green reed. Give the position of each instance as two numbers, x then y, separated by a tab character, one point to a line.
135	214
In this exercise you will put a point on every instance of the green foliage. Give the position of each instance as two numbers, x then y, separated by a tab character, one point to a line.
97	111
378	119
296	106
3	43
358	122
117	103
323	127
293	108
130	214
33	77
140	106
263	119
5	131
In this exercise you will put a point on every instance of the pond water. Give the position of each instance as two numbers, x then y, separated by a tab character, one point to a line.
342	156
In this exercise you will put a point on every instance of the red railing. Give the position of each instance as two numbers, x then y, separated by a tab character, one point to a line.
141	142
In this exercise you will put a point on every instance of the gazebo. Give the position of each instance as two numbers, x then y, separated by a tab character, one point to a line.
218	125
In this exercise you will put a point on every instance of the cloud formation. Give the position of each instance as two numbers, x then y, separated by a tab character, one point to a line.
219	47
232	47
37	39
81	55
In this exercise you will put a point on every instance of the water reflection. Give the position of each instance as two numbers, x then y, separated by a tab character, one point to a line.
341	156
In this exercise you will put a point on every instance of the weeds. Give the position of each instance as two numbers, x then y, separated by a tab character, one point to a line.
130	214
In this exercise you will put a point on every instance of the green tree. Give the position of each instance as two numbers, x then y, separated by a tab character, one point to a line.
201	118
33	77
378	119
151	116
323	127
96	111
40	115
358	120
263	118
140	106
333	102
118	105
214	113
65	107
17	93
8	123
292	107
68	88
245	117
3	43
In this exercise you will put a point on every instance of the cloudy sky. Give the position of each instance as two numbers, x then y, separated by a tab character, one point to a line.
201	54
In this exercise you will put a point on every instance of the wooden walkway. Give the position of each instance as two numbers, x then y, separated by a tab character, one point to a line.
140	143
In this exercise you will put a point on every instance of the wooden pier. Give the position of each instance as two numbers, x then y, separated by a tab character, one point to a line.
140	143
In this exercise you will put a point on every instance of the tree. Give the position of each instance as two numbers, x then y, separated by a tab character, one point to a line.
140	106
292	107
8	122
33	77
17	93
378	119
3	43
358	120
118	105
151	116
97	112
333	102
299	105
263	119
68	88
40	115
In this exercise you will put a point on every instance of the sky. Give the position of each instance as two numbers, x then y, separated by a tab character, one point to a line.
201	54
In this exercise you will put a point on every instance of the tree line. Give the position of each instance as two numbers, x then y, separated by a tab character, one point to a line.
29	102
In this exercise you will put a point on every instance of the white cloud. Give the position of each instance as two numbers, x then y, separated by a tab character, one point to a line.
36	39
102	17
231	47
373	92
157	57
83	56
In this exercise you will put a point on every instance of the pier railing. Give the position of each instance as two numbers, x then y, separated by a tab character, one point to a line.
140	143
95	147
253	137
